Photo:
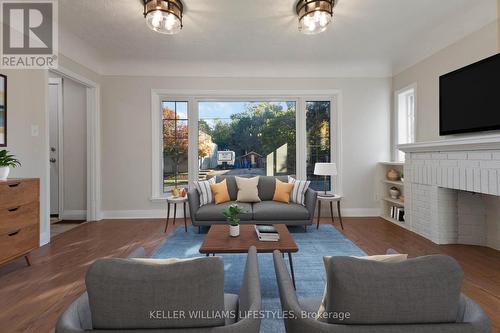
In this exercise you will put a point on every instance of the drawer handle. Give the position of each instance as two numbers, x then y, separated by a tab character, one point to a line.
14	185
14	233
14	209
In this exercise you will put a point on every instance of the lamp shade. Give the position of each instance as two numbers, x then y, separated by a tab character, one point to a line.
325	169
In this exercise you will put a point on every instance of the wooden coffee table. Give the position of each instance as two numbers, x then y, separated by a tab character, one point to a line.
218	240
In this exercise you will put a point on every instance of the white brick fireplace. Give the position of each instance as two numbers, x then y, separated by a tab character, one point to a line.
452	190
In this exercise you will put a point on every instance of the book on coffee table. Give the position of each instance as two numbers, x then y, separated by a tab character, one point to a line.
267	233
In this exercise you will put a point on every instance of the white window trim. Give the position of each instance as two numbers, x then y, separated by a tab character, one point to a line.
395	125
195	96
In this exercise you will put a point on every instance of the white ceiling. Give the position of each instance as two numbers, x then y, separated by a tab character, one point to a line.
260	37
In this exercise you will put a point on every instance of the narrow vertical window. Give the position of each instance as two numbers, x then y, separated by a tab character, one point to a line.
405	124
175	144
318	126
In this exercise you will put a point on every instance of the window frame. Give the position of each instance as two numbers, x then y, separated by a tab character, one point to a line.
395	127
193	97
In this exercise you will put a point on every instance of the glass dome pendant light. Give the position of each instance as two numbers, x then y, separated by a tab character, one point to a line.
164	16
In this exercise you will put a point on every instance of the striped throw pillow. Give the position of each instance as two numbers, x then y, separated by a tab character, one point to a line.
204	190
300	187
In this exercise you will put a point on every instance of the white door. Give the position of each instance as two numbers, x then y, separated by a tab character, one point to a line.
55	96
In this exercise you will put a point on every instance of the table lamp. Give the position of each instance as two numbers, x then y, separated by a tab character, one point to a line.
325	169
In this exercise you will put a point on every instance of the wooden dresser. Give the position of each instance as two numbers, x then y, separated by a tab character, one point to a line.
19	218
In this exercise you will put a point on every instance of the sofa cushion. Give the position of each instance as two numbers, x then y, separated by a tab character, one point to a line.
213	212
267	185
272	210
146	293
415	291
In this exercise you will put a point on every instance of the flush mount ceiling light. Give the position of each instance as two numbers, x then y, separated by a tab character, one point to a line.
164	16
314	15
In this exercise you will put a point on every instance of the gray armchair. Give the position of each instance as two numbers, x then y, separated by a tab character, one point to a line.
470	318
78	318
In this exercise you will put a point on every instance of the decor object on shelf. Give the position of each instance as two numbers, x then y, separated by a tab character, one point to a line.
314	16
393	175
184	192
7	161
394	192
325	169
164	16
3	110
175	192
231	213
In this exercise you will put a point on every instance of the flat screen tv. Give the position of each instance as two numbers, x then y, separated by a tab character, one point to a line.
469	98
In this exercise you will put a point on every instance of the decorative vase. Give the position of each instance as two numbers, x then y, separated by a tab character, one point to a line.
4	172
393	175
234	230
395	193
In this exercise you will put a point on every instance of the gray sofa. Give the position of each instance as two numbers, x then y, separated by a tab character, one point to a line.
265	212
121	305
419	295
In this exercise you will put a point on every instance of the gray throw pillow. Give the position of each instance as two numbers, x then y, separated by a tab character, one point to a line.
156	293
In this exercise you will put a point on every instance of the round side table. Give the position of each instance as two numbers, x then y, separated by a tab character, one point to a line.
174	201
331	199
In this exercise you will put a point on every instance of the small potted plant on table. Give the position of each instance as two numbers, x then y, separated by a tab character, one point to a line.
231	213
7	161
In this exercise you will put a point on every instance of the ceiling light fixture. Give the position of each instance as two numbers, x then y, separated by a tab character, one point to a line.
164	16
314	15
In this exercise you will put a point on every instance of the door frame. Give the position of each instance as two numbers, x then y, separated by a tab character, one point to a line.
60	143
93	141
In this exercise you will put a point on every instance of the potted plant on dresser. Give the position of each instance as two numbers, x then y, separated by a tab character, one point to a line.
231	213
7	161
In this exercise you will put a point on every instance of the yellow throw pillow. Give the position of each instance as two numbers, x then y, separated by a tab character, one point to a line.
282	191
220	192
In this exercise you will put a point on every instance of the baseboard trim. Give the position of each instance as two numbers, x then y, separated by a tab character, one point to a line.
162	213
360	212
73	215
139	214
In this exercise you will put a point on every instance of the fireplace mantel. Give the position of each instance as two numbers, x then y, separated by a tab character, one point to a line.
487	142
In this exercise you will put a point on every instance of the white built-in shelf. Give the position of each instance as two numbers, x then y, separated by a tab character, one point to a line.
393	163
395	201
393	182
390	219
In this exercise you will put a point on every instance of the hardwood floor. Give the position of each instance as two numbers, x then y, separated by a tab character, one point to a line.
32	298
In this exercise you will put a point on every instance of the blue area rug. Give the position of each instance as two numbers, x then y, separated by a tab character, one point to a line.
308	264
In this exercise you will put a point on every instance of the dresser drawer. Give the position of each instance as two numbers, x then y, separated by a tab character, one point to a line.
18	217
16	193
18	242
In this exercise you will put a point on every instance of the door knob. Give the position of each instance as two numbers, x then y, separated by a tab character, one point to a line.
52	149
52	160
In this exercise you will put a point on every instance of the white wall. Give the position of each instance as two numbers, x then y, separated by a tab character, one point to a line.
126	135
479	45
27	107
